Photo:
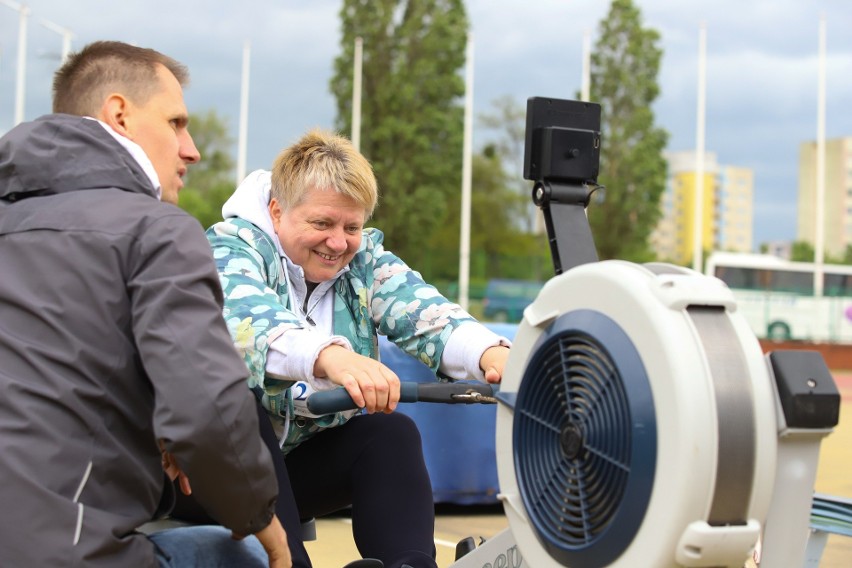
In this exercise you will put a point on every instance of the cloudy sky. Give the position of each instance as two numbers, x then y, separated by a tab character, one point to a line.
762	68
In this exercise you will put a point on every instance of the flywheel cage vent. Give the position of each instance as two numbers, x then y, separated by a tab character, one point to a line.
574	426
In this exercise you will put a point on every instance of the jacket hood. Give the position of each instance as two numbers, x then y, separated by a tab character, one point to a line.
250	202
62	153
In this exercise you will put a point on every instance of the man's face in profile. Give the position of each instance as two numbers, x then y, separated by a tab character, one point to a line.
160	127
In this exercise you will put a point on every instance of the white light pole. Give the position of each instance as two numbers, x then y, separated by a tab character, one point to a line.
464	242
585	84
67	36
356	94
819	230
242	143
698	219
23	12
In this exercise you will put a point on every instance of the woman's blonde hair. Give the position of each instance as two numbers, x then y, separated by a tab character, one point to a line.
323	160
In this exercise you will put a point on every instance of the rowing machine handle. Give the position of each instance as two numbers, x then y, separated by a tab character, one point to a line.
338	400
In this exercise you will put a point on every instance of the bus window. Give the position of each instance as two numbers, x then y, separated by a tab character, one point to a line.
766	279
796	282
837	284
737	277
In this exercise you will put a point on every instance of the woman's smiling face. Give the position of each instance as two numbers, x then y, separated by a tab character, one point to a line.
321	234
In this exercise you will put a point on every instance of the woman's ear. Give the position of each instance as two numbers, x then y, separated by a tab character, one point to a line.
275	213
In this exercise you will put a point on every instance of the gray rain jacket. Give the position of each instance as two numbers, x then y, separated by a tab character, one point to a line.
111	337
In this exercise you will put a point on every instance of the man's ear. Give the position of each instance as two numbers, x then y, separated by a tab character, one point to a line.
114	112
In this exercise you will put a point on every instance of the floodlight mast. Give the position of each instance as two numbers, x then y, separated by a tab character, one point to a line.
562	156
21	71
67	37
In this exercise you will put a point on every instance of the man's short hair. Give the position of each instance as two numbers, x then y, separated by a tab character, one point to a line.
90	75
327	161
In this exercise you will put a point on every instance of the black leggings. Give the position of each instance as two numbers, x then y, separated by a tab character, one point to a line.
374	463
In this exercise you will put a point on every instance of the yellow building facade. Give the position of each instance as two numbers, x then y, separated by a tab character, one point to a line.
725	213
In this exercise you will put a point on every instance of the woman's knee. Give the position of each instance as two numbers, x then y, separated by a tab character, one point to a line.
397	429
376	436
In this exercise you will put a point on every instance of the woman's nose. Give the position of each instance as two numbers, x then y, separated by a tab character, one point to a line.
337	241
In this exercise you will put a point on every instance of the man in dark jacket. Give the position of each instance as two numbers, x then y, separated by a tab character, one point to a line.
115	361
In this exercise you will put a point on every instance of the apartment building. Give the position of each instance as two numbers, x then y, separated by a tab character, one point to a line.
837	225
726	212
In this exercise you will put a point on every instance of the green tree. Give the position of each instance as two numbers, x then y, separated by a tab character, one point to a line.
525	254
412	117
802	251
209	183
496	242
508	121
624	68
846	258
